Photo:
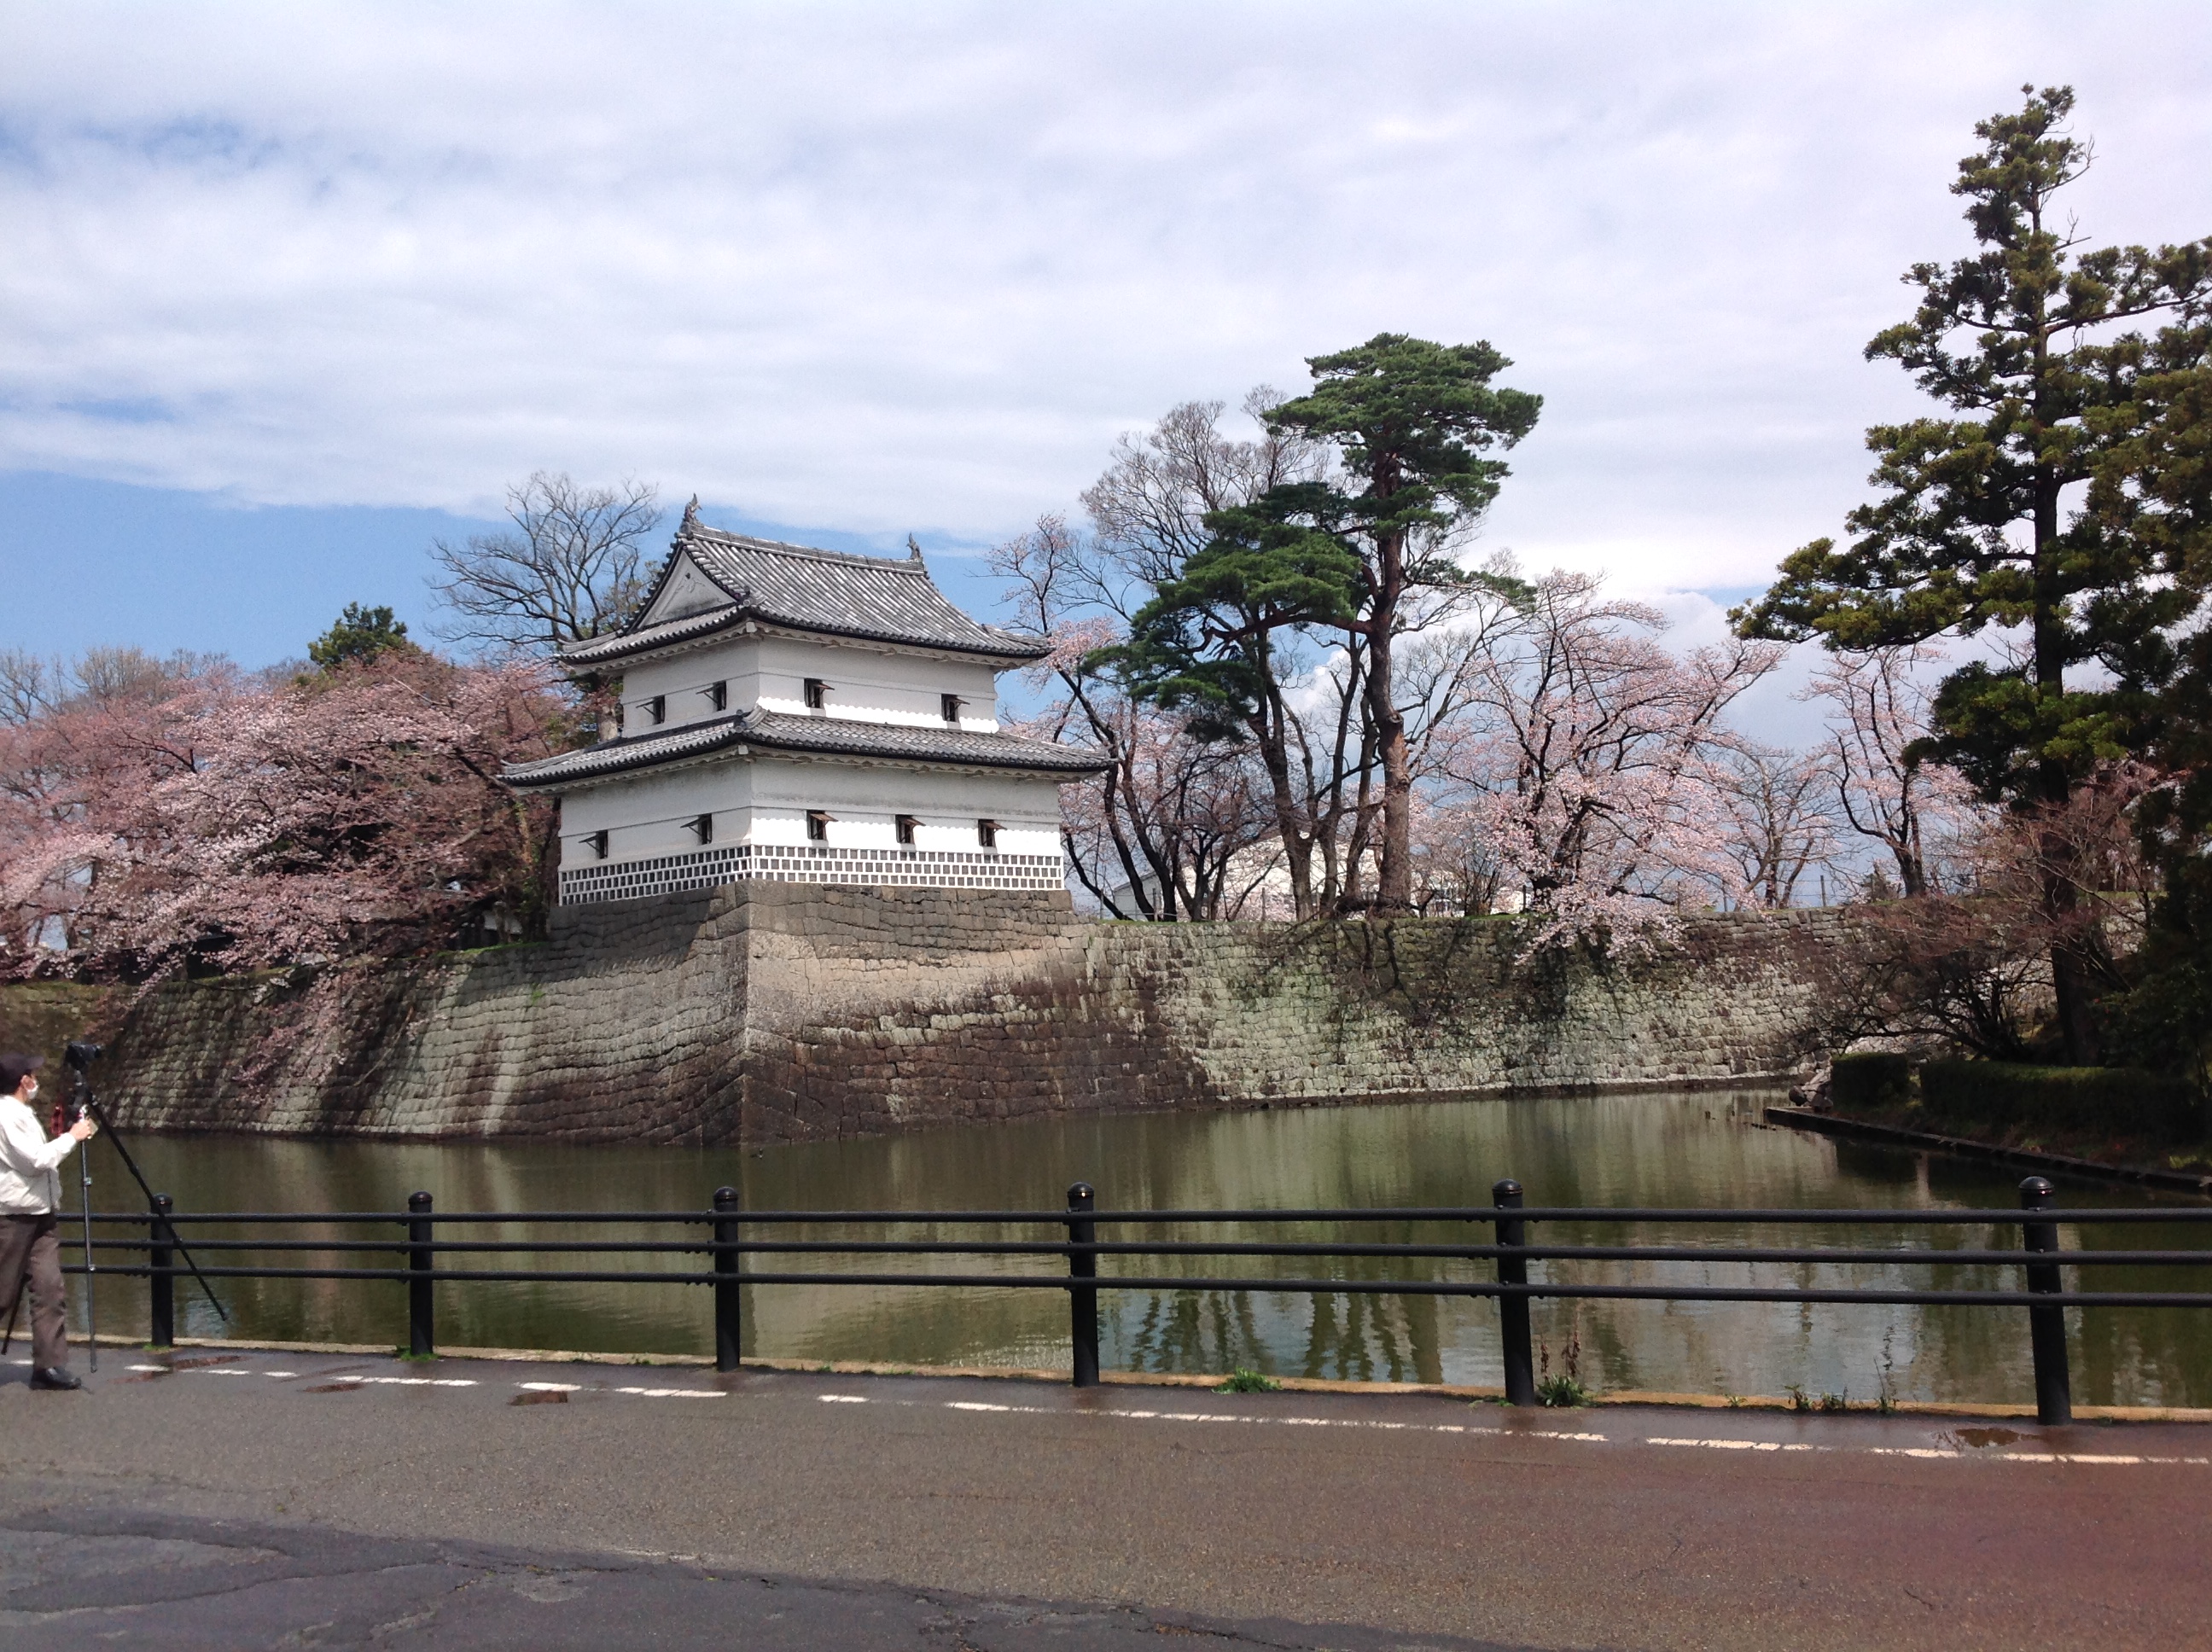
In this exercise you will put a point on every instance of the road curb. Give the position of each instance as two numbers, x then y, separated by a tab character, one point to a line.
1653	1398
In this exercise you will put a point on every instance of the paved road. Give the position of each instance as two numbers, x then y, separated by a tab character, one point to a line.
299	1500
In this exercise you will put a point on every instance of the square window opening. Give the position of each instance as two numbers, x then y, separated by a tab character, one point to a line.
818	826
718	696
656	709
987	833
818	694
703	827
598	842
949	704
907	825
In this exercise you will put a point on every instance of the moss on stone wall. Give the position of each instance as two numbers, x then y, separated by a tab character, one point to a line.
768	1012
37	1018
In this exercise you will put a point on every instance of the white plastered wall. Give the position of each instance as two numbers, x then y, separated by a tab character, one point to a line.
766	800
866	684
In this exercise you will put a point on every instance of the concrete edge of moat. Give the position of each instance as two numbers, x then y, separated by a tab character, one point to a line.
1875	1134
1208	1381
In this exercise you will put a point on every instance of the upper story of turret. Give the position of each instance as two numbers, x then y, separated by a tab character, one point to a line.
739	624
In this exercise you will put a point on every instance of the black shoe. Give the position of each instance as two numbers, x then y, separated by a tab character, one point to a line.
55	1376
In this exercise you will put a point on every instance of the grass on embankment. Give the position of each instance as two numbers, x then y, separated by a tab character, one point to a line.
2110	1115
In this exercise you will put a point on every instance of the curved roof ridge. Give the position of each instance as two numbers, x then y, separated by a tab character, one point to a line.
833	594
910	565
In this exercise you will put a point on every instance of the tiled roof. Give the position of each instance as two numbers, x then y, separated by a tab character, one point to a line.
772	731
871	597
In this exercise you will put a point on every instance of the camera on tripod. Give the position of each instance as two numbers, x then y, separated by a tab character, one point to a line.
82	1052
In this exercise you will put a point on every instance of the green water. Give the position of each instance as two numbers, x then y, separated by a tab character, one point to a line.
1681	1151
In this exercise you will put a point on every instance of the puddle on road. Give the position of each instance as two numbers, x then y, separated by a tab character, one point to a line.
1978	1437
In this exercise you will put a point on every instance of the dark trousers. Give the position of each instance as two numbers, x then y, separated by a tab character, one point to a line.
31	1251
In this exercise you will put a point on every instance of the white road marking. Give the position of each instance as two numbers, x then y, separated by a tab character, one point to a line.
2083	1457
1704	1445
673	1393
1920	1453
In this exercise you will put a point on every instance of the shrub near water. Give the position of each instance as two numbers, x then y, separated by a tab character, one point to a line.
2111	1101
1872	1078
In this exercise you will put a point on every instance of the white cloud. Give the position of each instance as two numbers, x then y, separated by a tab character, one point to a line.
881	268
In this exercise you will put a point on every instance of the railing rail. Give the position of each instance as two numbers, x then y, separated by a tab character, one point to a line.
716	1238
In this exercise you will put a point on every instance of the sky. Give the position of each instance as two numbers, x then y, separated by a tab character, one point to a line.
287	290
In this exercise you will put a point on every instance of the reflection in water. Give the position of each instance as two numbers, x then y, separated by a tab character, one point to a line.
1678	1151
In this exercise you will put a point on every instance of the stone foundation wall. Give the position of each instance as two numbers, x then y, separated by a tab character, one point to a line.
770	1012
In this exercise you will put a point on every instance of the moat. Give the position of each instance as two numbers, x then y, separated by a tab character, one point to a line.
1696	1150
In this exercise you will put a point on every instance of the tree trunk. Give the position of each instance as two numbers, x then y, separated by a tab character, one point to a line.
2070	983
1394	891
2070	976
1270	733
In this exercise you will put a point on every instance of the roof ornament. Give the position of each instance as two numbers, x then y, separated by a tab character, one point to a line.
913	547
690	522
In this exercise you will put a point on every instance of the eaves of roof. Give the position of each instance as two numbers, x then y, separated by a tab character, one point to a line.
820	736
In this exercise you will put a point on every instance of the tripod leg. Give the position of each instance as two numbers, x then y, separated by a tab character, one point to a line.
115	1137
91	1265
9	1341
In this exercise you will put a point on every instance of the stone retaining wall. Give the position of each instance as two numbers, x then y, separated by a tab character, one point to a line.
770	1013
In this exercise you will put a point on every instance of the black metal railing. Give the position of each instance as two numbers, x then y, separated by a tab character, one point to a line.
724	1246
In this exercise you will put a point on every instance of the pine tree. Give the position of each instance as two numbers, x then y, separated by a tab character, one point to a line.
1414	424
2037	509
361	634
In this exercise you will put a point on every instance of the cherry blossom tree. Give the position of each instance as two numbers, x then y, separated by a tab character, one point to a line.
208	820
82	748
1883	788
1775	809
1584	768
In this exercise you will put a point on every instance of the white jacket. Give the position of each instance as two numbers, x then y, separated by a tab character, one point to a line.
28	1186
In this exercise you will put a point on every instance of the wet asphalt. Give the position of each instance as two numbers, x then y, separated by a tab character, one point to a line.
263	1499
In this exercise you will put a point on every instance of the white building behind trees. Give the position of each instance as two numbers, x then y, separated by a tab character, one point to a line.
800	715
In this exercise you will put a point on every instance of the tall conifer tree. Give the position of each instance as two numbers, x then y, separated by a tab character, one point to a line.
1415	424
2037	509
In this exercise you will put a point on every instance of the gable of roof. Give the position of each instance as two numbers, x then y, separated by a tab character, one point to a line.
834	593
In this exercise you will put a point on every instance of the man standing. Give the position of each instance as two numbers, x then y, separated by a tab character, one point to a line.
30	1235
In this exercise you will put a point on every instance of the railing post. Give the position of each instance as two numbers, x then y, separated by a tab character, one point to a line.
422	1343
1513	1310
2046	1326
1083	1300
162	1313
728	1321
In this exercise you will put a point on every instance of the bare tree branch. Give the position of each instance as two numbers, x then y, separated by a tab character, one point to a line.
572	567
